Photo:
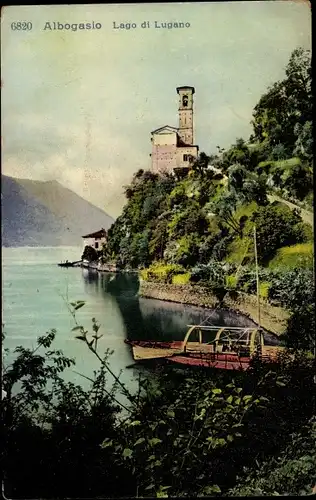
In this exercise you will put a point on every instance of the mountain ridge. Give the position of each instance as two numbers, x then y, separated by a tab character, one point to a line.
45	213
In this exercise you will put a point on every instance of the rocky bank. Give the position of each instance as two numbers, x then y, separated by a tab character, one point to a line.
272	318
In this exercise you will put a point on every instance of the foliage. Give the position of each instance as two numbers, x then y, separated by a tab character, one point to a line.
185	433
90	254
201	163
52	427
191	219
231	281
285	104
195	426
161	272
247	186
276	226
295	256
294	176
212	274
290	473
304	141
181	279
264	289
294	289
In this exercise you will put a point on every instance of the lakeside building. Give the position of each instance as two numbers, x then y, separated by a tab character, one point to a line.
95	240
173	149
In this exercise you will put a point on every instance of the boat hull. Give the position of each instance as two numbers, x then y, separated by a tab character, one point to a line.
196	354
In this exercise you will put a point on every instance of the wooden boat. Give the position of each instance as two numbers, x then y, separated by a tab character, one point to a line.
69	264
231	349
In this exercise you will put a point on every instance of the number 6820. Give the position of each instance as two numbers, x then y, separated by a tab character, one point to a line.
21	26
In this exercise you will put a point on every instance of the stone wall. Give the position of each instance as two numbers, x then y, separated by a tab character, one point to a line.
272	318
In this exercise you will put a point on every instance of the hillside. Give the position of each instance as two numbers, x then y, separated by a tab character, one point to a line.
36	213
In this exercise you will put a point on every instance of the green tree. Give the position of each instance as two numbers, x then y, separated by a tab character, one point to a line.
90	254
276	226
201	164
286	104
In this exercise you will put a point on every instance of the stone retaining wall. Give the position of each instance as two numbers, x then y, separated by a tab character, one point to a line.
272	318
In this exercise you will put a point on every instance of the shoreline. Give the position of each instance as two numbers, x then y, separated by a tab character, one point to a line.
273	319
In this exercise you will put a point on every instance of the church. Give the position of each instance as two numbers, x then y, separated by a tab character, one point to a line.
173	149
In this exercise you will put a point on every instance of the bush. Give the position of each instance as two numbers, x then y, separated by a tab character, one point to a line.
212	274
304	232
241	251
161	272
221	247
231	281
276	226
264	289
89	254
181	279
295	256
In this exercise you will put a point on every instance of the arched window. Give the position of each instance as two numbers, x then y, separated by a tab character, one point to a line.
185	100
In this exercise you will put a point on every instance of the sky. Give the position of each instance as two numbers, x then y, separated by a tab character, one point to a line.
78	106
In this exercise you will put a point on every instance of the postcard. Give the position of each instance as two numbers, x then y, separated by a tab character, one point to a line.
157	250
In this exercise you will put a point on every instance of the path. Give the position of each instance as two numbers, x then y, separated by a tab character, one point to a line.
306	215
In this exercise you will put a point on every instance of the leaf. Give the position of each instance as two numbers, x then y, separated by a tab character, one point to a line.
230	386
80	337
106	443
229	399
139	441
208	490
150	487
136	422
171	413
154	441
76	328
280	383
230	438
216	391
263	398
127	453
247	398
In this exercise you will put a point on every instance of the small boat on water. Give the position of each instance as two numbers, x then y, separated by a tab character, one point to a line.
69	264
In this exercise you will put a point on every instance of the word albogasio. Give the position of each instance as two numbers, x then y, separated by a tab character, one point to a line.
72	27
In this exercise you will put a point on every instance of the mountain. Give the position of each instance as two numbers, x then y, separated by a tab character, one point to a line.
36	213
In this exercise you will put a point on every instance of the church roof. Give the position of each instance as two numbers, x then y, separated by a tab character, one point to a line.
168	127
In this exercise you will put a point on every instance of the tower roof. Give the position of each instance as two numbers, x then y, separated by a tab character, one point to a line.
185	87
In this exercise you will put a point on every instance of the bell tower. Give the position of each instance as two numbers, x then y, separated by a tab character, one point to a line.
186	114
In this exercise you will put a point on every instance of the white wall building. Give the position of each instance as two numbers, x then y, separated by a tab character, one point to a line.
95	240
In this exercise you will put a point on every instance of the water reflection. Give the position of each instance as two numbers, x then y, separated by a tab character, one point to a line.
154	319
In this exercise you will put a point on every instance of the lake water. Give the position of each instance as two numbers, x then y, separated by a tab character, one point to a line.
35	292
